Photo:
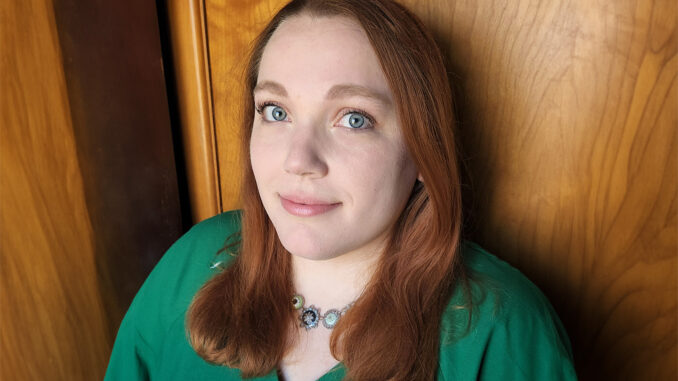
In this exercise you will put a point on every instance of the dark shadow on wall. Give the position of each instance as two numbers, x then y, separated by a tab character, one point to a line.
175	119
116	89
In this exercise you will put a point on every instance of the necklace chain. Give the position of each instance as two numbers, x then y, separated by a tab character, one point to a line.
310	316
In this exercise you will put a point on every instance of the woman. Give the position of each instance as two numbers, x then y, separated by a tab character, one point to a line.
346	261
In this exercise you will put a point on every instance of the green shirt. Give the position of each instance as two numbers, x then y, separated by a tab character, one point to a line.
514	335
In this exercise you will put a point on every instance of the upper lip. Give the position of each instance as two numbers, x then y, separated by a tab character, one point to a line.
306	199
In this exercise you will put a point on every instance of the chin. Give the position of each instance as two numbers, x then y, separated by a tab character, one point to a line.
305	249
304	246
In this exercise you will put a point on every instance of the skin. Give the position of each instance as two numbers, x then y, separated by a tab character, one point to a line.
315	153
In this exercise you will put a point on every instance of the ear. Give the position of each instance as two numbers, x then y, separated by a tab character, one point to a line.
420	178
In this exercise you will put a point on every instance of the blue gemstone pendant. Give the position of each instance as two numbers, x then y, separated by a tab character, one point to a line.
309	317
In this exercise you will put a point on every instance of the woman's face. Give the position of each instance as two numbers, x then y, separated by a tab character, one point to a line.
326	148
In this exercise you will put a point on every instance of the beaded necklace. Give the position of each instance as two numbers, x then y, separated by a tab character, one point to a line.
310	316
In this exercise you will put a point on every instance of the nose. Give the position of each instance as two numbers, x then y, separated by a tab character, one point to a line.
305	155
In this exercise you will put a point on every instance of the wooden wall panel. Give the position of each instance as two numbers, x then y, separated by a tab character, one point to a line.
114	75
193	89
568	125
88	188
569	129
51	310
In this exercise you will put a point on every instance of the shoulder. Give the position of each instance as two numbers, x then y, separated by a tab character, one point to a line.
199	250
223	223
500	325
495	282
202	244
153	327
213	231
183	269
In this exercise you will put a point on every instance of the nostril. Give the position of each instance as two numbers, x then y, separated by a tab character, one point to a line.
304	160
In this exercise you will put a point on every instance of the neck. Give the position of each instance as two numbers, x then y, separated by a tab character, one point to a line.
335	282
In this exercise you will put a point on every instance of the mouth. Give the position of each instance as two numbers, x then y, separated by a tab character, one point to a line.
302	206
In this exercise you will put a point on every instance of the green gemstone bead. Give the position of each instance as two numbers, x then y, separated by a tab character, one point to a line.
331	319
297	302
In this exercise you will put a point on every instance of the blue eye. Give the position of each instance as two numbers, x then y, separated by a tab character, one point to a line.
356	120
273	113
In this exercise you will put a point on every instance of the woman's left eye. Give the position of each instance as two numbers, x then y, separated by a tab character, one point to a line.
356	120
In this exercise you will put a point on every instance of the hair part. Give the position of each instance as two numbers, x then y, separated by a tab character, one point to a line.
419	267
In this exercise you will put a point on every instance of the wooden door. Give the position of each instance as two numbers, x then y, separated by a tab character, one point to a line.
88	187
51	310
568	127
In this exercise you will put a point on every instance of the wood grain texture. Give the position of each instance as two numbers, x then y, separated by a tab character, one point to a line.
568	127
88	191
194	93
119	108
52	322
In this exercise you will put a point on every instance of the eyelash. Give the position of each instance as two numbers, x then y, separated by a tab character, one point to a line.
259	108
364	114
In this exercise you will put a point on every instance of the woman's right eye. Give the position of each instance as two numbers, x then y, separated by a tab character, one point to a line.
273	113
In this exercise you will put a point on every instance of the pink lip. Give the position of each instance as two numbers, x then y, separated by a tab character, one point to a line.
305	206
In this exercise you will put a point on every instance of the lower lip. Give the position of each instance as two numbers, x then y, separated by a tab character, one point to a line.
304	210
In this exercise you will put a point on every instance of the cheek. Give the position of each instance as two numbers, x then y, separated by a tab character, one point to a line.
379	175
263	152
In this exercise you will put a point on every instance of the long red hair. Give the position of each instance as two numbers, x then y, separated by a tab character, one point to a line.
241	317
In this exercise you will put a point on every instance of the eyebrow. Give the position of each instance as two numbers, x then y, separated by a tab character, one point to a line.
349	90
337	91
273	87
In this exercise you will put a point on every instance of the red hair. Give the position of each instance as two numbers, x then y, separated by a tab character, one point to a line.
241	317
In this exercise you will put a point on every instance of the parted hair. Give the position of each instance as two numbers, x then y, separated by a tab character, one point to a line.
242	317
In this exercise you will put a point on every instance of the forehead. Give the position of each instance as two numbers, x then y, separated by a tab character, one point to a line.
310	53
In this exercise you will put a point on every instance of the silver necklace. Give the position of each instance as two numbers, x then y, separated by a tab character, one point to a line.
310	316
